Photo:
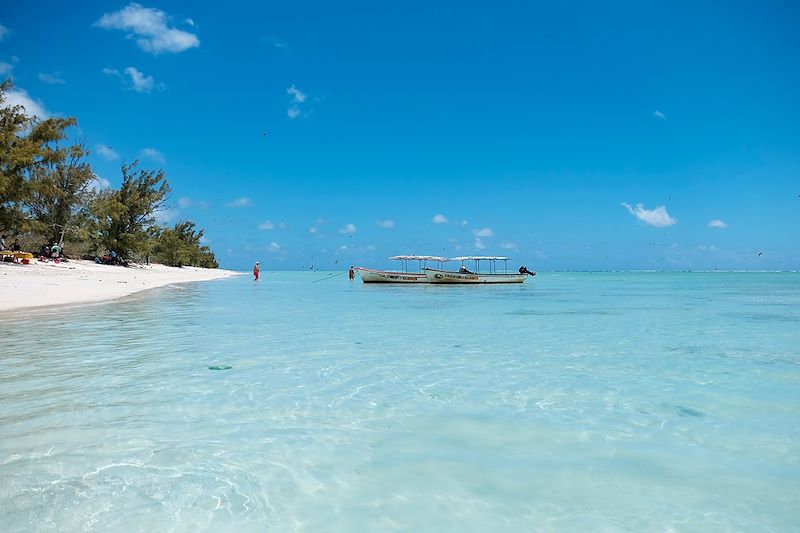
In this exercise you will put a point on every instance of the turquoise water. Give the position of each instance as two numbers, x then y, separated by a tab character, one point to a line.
578	401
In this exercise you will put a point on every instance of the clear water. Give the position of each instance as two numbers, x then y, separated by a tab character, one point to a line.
620	401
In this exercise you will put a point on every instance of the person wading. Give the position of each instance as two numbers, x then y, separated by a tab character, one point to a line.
256	271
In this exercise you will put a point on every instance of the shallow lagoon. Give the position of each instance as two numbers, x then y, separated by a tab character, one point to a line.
578	401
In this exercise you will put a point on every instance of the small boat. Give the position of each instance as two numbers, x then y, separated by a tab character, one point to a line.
466	276
369	275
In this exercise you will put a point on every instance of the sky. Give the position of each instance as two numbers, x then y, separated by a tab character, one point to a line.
565	135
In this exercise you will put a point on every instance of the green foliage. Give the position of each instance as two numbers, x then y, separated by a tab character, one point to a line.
125	217
26	143
181	245
61	192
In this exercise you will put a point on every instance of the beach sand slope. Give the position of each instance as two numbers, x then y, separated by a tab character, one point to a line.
76	282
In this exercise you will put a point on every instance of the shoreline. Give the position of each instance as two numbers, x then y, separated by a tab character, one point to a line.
44	285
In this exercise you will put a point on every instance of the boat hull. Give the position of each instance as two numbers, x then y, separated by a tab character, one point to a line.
449	277
385	276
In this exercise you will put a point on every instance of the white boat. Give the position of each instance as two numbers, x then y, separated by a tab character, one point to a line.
369	275
464	275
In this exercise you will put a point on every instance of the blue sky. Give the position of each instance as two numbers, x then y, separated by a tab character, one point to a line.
566	135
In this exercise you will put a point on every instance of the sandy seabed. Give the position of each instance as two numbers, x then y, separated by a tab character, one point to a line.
75	282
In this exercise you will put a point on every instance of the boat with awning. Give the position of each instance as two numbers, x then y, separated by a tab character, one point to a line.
485	270
406	274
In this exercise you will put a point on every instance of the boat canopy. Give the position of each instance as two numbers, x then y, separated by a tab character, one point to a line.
479	258
418	258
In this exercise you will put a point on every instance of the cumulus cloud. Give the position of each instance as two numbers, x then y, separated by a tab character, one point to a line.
717	223
483	232
479	244
152	154
185	202
298	96
274	247
386	224
244	201
165	216
139	82
313	229
659	115
16	96
348	228
98	184
148	27
51	79
655	217
440	219
508	245
136	80
266	225
106	152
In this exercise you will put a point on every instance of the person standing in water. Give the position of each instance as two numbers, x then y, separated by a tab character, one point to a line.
351	273
256	271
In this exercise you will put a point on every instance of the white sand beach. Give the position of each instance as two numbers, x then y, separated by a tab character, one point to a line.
76	282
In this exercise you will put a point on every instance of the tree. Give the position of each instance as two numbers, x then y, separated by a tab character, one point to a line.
125	216
60	195
181	245
25	144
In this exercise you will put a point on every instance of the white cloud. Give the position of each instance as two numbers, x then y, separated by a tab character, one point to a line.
136	80
508	246
277	43
34	108
484	232
185	202
266	225
189	21
98	184
5	68
139	82
312	229
165	216
51	79
244	201
655	217
440	219
148	26
464	223
348	228
298	96
386	224
479	244
274	247
3	32
717	223
152	154
106	151
659	115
